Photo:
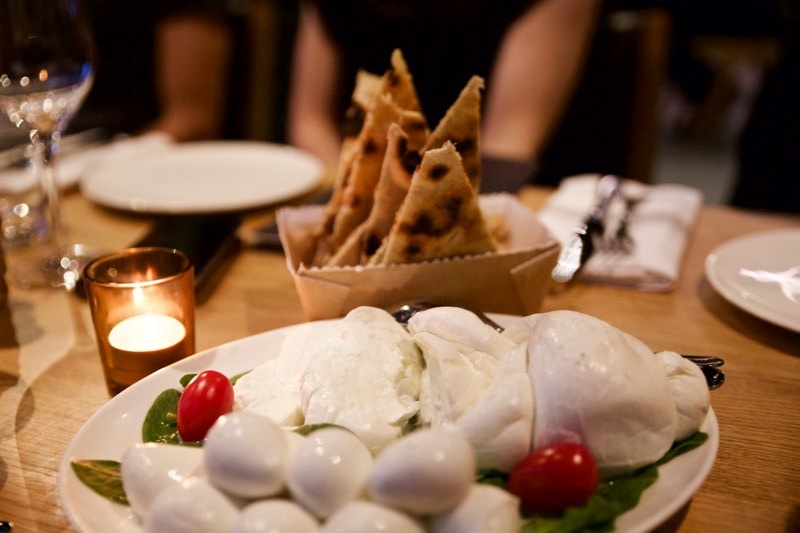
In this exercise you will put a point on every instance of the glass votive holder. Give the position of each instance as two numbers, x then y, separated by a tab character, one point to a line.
142	305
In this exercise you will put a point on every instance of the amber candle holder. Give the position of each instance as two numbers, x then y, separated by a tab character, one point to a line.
142	305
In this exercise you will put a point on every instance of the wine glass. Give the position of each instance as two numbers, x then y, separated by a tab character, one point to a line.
47	58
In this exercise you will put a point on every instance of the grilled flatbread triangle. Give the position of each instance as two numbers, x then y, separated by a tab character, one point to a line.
358	190
440	216
363	96
413	123
398	82
367	88
461	125
399	165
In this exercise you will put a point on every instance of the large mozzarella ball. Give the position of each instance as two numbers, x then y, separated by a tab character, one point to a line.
427	472
600	387
246	455
149	468
275	516
193	505
361	516
486	509
364	377
689	390
477	380
330	468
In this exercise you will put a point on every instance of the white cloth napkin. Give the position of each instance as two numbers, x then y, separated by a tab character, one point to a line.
72	165
660	225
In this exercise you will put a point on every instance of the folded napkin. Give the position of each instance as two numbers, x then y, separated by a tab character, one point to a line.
659	226
72	165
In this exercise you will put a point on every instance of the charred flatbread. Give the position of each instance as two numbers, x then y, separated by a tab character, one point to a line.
461	125
440	215
399	165
364	94
399	82
357	195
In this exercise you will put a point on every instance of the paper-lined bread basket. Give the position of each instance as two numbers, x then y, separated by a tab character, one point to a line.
512	280
406	222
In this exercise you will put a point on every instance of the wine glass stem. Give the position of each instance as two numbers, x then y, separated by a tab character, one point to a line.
46	173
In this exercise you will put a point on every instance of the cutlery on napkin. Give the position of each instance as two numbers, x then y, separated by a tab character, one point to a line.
581	246
658	227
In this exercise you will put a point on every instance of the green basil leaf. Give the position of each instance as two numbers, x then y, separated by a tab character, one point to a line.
681	447
103	477
161	422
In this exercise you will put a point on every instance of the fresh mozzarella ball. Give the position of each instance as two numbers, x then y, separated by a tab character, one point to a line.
601	387
149	468
499	426
272	389
427	472
330	468
477	380
361	516
245	455
275	516
365	377
486	509
194	505
462	327
690	391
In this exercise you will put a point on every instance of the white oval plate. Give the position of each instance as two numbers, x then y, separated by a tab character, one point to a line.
117	425
203	177
760	273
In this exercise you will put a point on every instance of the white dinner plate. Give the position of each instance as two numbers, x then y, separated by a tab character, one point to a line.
204	177
118	424
760	273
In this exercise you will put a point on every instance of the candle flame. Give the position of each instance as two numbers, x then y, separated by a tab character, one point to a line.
150	273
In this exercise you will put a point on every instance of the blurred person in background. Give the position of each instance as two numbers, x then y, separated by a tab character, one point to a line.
529	52
769	149
162	66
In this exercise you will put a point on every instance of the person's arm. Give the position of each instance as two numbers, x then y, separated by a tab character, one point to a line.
192	69
312	122
535	75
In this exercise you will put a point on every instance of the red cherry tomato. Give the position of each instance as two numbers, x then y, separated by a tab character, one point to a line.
207	397
550	479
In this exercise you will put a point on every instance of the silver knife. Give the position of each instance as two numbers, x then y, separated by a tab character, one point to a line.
581	247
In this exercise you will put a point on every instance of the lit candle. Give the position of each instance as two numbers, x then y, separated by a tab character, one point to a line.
142	344
146	333
142	303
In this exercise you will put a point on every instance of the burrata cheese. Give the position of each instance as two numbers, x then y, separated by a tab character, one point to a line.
600	387
362	373
475	381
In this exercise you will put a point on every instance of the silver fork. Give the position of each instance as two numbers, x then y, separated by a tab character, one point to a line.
620	242
588	234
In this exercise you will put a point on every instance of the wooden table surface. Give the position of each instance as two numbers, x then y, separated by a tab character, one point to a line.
51	381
